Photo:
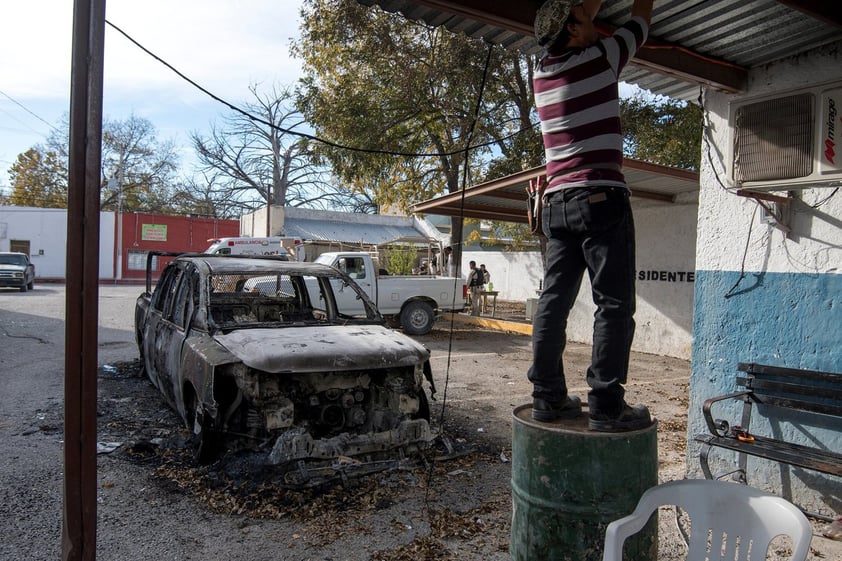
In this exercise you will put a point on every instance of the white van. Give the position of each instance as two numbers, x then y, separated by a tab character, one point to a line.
274	245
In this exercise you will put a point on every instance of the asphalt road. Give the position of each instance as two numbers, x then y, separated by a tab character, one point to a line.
160	509
152	503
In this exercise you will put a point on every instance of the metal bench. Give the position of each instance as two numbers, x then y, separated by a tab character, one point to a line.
814	397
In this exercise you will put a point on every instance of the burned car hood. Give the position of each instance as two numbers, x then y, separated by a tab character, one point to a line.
322	348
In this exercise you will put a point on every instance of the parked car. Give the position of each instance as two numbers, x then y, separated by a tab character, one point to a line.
16	271
410	300
259	353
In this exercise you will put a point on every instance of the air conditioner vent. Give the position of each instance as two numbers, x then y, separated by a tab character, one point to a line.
774	139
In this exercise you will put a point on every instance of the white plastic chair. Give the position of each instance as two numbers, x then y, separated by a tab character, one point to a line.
729	521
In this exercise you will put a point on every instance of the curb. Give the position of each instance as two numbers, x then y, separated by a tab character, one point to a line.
493	323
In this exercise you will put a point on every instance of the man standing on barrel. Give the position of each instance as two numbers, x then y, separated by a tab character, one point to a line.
586	217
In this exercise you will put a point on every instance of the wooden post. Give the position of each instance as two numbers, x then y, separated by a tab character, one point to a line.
81	301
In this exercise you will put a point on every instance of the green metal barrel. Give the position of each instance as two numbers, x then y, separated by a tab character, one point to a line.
569	483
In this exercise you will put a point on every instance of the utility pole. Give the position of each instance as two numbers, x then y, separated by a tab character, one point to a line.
120	217
116	184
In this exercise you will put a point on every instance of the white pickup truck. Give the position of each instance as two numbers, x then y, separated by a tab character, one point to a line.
413	300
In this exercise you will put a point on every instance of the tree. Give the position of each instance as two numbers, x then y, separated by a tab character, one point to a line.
39	179
381	84
137	169
203	197
662	130
136	166
263	159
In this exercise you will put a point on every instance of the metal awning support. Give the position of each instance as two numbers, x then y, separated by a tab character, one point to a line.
505	199
518	17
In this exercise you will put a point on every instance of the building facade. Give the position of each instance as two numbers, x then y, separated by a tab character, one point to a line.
124	241
768	278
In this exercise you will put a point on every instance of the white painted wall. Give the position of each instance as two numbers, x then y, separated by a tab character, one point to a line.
666	245
46	230
515	274
729	223
254	224
764	295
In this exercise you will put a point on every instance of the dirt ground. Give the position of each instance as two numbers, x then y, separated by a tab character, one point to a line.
154	502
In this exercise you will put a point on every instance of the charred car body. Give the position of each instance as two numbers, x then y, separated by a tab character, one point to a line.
256	353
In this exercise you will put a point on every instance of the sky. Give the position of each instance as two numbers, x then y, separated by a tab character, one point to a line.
223	45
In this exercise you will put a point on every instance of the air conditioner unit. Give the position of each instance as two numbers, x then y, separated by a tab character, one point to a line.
790	141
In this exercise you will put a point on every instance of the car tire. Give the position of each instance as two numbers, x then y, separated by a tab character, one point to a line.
208	444
31	285
417	318
23	288
206	441
142	358
423	406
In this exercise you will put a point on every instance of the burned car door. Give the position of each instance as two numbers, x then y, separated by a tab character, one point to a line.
173	306
348	300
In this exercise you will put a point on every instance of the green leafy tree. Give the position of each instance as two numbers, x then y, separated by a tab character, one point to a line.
662	130
381	84
399	260
39	179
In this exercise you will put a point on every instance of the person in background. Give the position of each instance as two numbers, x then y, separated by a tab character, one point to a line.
587	218
447	262
300	254
486	276
474	287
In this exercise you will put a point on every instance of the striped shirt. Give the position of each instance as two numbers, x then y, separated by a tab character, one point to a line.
577	97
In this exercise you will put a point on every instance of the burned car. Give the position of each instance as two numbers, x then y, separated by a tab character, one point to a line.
256	353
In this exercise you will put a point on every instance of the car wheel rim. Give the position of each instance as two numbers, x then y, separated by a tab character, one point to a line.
418	319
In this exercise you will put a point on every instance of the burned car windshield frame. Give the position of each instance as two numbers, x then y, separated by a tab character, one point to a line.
283	295
248	299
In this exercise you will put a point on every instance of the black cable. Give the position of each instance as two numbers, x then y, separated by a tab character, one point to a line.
745	254
705	129
314	138
466	153
824	200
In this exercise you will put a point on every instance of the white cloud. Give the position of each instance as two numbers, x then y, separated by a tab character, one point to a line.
222	45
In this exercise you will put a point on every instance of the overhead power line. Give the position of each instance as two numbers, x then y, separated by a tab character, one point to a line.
28	110
326	142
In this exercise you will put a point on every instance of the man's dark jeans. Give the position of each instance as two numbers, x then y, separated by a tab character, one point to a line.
587	229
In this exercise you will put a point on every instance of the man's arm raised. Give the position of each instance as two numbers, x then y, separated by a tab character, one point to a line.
591	8
643	9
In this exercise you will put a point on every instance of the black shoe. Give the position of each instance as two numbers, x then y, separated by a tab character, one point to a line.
546	411
630	418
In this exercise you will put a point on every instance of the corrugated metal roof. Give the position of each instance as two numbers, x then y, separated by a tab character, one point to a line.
373	229
505	198
747	33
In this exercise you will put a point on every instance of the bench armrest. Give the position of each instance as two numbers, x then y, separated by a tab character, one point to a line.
706	408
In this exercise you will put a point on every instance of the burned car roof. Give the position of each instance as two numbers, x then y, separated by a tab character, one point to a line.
265	354
223	264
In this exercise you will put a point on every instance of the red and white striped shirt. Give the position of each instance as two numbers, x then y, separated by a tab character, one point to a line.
577	97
